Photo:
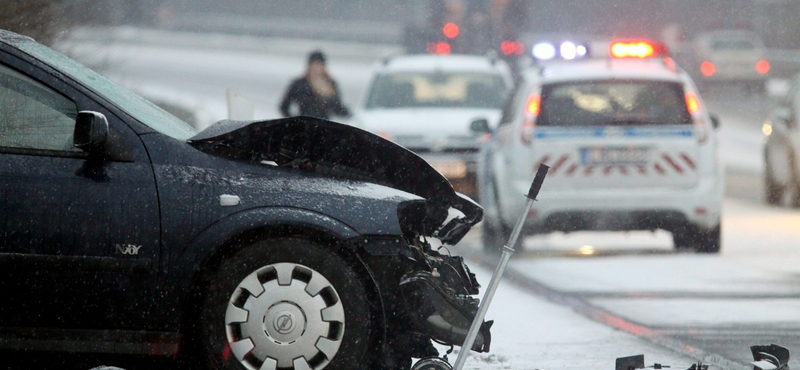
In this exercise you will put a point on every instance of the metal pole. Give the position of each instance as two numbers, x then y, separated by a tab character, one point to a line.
508	250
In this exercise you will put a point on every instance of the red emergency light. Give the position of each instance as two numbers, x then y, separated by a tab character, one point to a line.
508	47
638	49
441	48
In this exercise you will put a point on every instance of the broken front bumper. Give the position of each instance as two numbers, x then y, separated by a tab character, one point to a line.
438	312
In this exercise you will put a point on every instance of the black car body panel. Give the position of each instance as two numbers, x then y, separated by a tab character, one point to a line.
336	150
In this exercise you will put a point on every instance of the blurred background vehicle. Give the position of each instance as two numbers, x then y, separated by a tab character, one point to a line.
630	145
426	103
731	56
781	149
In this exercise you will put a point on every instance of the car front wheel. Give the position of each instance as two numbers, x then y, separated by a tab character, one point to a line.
285	304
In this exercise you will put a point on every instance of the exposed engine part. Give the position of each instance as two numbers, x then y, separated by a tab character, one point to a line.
436	311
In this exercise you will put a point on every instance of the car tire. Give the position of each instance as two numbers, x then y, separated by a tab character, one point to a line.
709	241
308	309
495	233
773	189
773	193
683	237
690	237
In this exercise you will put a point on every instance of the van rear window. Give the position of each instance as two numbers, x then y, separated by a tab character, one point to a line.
613	103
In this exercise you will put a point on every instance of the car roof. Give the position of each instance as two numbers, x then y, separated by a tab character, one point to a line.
604	69
445	63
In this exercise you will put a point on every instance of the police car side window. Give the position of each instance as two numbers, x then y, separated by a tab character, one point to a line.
32	116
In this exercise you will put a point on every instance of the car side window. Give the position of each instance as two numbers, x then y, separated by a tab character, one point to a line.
33	116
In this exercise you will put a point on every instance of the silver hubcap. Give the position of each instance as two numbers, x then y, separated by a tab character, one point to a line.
284	315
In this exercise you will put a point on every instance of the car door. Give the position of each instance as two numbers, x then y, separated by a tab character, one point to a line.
79	234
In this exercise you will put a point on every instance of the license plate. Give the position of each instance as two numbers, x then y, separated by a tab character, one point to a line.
605	156
451	169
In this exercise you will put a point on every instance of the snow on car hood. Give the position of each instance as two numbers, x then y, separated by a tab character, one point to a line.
338	150
431	122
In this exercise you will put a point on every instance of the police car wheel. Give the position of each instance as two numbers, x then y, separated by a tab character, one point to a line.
285	303
493	236
709	241
495	233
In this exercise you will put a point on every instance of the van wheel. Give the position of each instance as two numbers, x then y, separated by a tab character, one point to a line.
288	304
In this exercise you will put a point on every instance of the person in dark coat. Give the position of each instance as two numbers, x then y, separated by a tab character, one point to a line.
315	93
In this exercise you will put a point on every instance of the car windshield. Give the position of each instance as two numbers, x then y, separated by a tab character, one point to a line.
740	44
137	107
603	103
437	90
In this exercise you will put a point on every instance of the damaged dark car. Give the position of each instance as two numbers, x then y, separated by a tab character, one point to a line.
293	243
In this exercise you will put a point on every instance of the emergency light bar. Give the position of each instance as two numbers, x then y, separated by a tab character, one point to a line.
566	50
641	49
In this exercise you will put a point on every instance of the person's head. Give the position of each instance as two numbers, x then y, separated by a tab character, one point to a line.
316	63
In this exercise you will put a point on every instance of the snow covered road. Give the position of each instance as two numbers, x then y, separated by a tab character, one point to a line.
709	307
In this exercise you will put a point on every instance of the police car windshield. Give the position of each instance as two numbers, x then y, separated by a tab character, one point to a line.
603	103
437	90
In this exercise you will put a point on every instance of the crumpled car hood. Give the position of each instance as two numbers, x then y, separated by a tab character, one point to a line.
338	150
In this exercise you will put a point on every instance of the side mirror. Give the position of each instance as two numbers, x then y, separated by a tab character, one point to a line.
480	125
714	121
91	131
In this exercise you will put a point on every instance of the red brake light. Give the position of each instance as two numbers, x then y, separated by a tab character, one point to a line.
637	49
708	69
450	30
762	67
692	104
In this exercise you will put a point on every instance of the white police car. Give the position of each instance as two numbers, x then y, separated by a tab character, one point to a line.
629	142
426	103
